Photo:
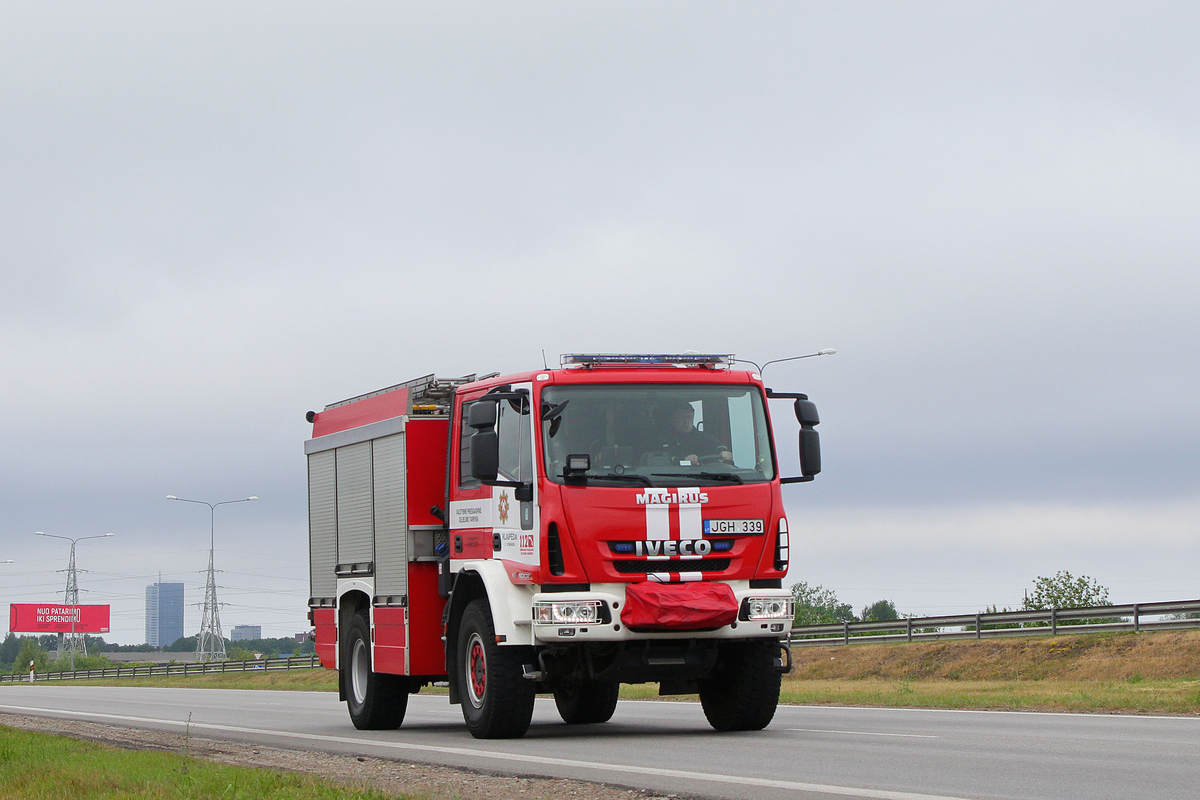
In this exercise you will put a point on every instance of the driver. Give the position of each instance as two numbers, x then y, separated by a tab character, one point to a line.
686	443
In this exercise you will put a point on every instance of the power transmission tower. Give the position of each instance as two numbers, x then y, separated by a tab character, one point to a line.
75	641
210	644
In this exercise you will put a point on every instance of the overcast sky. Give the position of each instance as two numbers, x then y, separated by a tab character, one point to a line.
215	217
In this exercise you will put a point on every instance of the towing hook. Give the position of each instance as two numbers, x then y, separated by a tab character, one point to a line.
784	662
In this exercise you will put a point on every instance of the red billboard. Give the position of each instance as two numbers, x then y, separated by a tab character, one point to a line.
57	618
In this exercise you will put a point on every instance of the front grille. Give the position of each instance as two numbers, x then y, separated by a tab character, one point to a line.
698	565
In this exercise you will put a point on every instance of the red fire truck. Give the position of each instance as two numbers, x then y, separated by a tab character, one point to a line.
616	520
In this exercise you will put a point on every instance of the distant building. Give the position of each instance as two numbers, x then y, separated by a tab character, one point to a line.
164	613
241	633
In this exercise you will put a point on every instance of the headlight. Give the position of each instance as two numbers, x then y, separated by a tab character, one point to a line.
567	612
768	608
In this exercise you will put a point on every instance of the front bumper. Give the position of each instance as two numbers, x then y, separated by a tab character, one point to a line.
609	599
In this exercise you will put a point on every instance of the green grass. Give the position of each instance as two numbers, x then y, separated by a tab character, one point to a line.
37	766
1156	673
296	680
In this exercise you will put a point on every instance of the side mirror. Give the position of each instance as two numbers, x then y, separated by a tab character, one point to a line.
482	414
485	442
810	452
485	455
806	412
810	440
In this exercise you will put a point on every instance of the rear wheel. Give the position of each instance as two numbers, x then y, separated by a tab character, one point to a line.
376	701
497	701
742	693
587	702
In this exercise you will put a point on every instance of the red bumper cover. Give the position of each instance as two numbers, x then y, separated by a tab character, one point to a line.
678	606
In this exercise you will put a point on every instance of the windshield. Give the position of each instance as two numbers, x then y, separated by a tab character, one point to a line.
657	435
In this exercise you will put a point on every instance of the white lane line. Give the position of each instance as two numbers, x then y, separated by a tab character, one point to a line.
990	712
865	733
520	758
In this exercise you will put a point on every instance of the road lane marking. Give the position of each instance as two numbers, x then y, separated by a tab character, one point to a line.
864	733
991	712
520	758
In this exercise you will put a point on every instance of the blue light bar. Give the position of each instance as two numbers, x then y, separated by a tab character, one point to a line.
646	359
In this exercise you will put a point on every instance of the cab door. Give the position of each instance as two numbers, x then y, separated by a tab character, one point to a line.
515	518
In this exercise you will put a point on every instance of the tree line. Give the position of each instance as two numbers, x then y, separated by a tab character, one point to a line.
816	605
17	651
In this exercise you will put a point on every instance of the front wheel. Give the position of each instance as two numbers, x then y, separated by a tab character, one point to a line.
743	691
376	701
497	700
587	702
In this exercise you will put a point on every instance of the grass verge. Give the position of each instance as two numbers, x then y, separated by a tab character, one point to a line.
38	765
297	680
1151	673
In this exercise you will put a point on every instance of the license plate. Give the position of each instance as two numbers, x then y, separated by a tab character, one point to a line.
716	527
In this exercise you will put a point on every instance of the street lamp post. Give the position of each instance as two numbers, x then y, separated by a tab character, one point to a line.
210	643
71	595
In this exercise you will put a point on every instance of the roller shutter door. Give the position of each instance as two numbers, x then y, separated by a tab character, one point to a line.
391	529
355	523
322	524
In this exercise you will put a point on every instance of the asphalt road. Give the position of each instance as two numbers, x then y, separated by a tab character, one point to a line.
807	752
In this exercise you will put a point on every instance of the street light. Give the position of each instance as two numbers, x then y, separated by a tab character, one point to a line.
71	595
210	624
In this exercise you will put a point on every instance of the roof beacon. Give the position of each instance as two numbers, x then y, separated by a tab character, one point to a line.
591	360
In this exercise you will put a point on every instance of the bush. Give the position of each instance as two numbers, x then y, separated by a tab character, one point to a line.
1064	590
880	611
815	605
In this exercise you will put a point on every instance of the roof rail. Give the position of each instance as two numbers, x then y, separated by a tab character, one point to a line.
429	391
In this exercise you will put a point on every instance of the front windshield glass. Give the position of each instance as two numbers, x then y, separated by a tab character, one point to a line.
657	434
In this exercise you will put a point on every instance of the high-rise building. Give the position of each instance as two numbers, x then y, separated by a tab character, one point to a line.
164	613
243	632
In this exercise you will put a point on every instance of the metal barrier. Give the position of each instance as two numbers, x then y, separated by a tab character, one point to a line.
1048	622
150	670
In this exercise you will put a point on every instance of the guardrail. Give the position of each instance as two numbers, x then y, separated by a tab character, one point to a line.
1051	622
148	670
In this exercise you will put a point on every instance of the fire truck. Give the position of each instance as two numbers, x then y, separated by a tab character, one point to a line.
618	519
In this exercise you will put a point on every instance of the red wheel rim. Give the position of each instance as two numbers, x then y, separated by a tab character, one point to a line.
478	669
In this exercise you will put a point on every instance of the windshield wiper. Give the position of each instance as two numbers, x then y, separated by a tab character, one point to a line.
612	476
715	476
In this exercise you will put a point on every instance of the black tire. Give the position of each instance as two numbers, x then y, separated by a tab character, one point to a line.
742	693
587	702
497	700
376	701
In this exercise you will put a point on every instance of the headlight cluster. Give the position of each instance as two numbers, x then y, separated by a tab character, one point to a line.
567	612
769	608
